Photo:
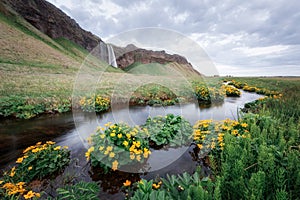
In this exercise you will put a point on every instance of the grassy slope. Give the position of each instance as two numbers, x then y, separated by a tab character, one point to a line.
32	64
156	69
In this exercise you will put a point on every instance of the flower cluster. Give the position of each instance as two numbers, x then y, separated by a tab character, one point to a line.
118	144
237	84
37	161
19	189
231	91
94	103
208	94
40	160
249	88
210	135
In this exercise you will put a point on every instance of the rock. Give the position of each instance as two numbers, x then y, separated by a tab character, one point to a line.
53	22
145	56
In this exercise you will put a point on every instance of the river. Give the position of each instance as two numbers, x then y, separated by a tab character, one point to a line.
72	129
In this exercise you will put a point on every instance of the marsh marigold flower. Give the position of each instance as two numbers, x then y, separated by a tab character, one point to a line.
127	183
115	165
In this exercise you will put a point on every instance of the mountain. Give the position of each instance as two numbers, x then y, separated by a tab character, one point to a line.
51	21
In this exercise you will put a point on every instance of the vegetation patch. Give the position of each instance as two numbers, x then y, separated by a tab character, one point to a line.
232	91
207	94
153	94
117	145
94	103
37	162
168	130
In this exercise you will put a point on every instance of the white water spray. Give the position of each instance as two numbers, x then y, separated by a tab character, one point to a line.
107	54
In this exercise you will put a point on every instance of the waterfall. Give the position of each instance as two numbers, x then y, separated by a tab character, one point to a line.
107	54
111	56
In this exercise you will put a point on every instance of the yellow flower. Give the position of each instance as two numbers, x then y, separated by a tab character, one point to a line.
66	147
1	182
155	186
107	124
109	148
57	148
213	145
112	134
30	168
91	149
50	142
13	172
138	158
101	148
244	125
200	146
112	154
114	165
138	144
235	132
120	135
128	135
224	127
20	160
132	156
29	195
35	150
125	143
127	183
88	153
102	136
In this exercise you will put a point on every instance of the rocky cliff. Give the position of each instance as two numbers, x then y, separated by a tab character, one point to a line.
52	21
145	56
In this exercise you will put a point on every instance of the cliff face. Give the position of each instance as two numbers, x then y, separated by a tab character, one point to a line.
148	56
53	22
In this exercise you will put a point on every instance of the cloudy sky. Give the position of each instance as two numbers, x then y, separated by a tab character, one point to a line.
248	38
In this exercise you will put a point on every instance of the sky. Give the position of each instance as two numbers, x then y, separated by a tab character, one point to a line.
242	38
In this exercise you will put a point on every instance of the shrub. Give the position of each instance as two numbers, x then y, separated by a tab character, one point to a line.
81	190
39	161
170	129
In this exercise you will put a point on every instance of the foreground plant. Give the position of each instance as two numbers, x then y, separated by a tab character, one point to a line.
117	145
170	129
81	190
37	162
40	160
184	186
209	135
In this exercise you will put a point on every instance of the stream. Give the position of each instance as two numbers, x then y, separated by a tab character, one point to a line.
72	129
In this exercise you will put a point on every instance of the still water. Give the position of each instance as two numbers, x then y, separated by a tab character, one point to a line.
72	129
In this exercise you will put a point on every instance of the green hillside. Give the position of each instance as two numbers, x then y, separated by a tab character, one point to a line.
38	74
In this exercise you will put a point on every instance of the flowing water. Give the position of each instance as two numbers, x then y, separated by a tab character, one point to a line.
72	129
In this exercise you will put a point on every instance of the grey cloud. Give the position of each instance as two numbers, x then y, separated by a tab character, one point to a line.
224	25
